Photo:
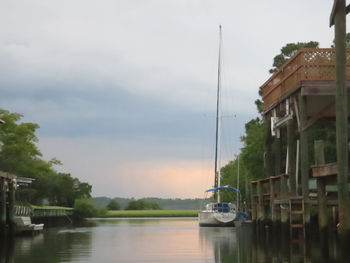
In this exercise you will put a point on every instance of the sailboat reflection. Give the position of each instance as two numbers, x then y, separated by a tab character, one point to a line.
222	241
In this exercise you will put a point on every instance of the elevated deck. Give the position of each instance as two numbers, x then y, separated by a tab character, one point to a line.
311	70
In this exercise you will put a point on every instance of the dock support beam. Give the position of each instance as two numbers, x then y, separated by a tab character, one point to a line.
277	155
304	160
342	119
291	155
260	210
11	205
268	146
321	198
2	206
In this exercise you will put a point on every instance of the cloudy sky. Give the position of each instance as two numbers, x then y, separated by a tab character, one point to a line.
124	91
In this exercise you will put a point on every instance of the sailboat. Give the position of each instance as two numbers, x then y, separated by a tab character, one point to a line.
218	213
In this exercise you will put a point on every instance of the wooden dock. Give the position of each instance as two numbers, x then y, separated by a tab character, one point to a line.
298	96
8	184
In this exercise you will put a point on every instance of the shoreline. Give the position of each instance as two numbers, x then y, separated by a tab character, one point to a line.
149	213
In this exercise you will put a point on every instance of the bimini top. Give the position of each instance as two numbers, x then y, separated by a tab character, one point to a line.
222	188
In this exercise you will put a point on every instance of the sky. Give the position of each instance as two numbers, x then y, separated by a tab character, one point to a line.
124	91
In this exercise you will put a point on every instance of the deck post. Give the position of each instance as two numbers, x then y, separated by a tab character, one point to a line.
342	119
284	210
268	145
304	160
253	202
321	198
291	155
2	205
277	155
260	204
272	199
11	204
247	195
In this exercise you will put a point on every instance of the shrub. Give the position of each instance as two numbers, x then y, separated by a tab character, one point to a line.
84	208
142	205
113	205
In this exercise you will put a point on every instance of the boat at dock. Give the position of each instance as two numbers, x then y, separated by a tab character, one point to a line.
215	212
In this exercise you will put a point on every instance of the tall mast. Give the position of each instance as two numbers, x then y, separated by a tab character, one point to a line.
217	141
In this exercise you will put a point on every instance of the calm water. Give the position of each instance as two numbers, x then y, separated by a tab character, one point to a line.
153	240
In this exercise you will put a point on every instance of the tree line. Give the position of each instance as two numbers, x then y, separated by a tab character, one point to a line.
19	155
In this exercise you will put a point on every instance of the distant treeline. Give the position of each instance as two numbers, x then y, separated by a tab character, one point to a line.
170	204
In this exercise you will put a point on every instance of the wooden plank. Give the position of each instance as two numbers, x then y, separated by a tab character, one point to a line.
324	170
320	88
291	155
308	88
282	80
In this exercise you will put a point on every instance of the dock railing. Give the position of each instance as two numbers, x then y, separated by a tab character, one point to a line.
309	64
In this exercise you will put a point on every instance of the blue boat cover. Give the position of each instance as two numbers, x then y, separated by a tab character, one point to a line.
244	215
222	188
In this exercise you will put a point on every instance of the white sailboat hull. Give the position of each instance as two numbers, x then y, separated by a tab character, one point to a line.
213	218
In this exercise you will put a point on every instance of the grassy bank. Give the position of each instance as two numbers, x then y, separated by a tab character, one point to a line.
152	213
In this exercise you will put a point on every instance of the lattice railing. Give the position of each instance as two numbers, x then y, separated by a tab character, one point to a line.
305	65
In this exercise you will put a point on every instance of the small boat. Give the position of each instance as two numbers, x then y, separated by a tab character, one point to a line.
215	212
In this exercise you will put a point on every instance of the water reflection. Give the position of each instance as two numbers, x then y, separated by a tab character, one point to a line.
244	246
52	246
159	240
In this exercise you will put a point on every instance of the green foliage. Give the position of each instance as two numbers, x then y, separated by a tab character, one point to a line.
84	208
229	176
101	212
113	205
142	205
19	155
253	151
288	51
152	213
251	164
164	203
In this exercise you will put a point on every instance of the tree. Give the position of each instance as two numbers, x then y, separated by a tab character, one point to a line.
113	205
18	152
84	208
19	155
253	150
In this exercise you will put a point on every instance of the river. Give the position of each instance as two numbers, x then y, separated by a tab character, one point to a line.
154	240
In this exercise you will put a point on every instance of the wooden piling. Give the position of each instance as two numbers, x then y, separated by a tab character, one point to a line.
268	146
277	155
11	205
342	119
321	197
304	158
260	205
254	201
272	199
291	155
284	210
2	206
